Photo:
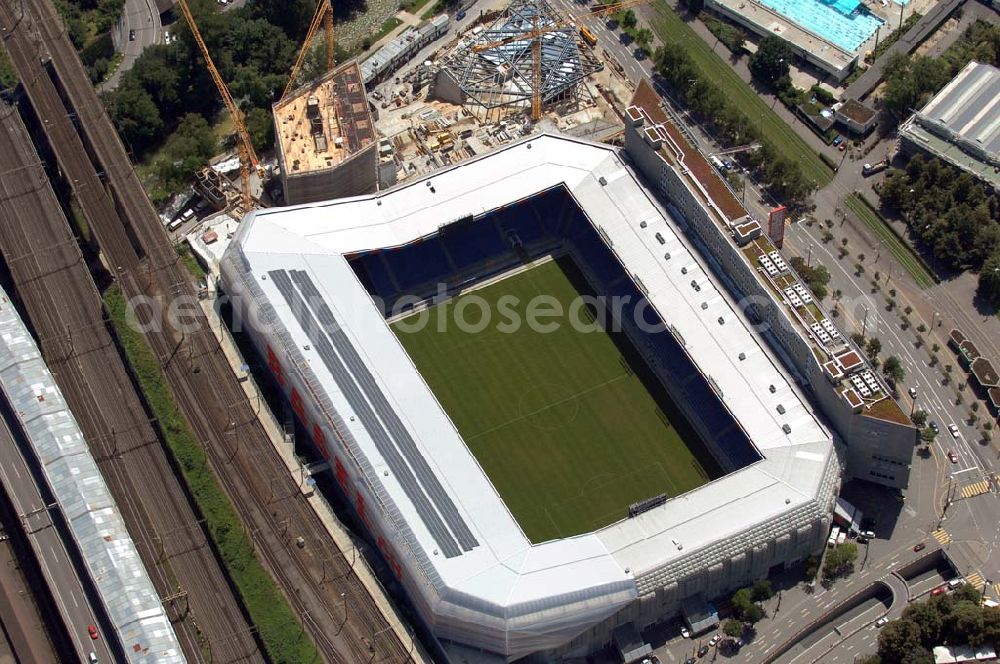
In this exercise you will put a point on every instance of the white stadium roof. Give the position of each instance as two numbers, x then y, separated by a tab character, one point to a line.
535	596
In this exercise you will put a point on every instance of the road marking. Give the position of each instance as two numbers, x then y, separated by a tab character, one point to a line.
996	589
942	536
977	489
976	580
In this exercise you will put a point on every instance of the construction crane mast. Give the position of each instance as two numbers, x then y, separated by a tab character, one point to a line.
323	16
248	157
535	35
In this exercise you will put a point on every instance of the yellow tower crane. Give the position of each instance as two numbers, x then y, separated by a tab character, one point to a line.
248	157
323	16
535	35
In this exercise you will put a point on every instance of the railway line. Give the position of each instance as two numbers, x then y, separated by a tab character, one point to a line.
335	607
58	294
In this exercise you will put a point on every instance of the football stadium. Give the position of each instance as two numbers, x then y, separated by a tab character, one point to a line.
539	396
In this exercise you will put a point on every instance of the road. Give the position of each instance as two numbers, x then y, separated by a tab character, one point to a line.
288	535
61	575
141	19
64	308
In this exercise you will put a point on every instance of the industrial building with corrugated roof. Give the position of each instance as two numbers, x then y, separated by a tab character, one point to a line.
961	123
112	562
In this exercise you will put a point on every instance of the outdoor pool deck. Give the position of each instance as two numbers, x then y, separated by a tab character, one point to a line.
817	31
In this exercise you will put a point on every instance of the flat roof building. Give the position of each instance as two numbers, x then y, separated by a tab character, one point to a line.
961	124
325	138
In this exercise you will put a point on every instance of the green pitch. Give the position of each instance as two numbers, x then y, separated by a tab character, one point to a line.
569	426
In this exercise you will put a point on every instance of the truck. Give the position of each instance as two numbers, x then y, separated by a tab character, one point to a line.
872	169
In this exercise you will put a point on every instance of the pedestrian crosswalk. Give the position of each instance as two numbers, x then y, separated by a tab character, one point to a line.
976	580
996	590
977	489
942	536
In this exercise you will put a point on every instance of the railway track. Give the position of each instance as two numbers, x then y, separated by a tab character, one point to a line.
52	280
335	607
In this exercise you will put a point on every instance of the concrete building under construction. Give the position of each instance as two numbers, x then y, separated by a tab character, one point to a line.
325	138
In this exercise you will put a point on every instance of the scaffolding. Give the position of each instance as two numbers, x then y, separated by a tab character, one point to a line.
499	80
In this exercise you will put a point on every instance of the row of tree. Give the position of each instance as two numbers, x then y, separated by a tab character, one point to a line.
951	213
730	123
951	619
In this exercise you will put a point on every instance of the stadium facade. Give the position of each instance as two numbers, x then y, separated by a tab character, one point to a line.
305	281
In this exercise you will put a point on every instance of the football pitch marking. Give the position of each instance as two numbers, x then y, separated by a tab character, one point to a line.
549	406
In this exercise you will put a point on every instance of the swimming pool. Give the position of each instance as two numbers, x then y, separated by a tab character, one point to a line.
843	22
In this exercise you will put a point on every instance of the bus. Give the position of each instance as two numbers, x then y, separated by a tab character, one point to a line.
588	36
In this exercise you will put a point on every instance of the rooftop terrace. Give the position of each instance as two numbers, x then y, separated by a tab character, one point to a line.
325	122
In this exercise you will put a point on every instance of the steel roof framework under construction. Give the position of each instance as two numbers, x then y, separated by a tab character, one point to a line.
501	76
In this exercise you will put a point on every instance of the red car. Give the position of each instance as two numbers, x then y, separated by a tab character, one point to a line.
92	631
940	590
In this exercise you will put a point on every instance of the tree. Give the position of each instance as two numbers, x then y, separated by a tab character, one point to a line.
733	628
840	560
744	607
694	6
966	624
772	59
893	369
920	418
874	348
897	639
761	590
928	619
643	38
629	20
989	280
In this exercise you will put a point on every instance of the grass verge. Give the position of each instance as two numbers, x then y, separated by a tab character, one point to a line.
895	244
390	24
568	424
190	261
282	636
670	27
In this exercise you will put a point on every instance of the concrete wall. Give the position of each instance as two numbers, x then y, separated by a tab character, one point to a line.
358	175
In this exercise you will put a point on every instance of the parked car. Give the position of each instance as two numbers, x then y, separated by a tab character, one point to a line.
952	456
131	35
953	429
881	621
702	651
92	630
715	639
837	141
940	590
870	534
913	392
920	547
934	426
460	15
690	660
685	633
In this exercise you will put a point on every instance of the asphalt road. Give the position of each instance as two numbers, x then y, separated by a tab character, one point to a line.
142	18
60	573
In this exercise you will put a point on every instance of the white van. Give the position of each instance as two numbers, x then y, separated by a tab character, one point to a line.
956	582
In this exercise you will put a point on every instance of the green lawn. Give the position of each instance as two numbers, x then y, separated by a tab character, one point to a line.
669	27
569	431
903	252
